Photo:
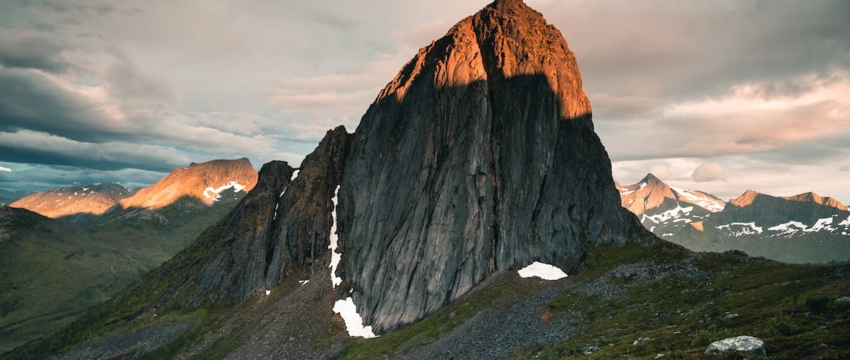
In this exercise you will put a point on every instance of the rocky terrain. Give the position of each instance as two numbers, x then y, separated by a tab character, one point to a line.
799	229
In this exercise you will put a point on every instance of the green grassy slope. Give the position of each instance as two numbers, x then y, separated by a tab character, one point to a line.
681	301
54	272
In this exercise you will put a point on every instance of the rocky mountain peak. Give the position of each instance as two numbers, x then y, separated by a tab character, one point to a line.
504	40
94	199
817	199
203	182
479	156
745	199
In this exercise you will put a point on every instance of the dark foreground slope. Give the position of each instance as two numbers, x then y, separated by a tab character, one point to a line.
680	301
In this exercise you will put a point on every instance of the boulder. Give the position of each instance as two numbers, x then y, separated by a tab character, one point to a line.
740	344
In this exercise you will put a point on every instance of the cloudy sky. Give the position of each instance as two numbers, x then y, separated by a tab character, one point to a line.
714	95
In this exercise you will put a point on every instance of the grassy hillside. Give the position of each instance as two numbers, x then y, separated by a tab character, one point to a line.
681	301
54	272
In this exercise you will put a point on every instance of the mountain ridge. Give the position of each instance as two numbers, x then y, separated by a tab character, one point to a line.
809	227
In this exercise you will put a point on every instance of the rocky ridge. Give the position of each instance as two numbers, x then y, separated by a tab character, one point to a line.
801	228
202	182
64	201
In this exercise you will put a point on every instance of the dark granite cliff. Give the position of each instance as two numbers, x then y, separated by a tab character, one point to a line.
479	156
277	230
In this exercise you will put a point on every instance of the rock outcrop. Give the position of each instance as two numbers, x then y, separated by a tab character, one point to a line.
73	200
740	345
279	229
479	156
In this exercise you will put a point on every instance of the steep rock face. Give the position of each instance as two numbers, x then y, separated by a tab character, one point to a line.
203	182
73	200
277	230
479	156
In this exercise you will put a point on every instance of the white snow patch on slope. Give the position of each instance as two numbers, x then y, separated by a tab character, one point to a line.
704	202
543	271
749	228
335	256
822	224
669	214
789	228
294	175
846	222
213	193
353	321
5	169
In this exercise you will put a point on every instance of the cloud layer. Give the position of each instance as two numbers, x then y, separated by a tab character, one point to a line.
96	89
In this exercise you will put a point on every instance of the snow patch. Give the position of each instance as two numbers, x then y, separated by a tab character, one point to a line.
353	321
789	228
846	222
749	228
667	235
335	256
294	175
669	214
704	202
303	282
213	193
822	224
268	292
543	271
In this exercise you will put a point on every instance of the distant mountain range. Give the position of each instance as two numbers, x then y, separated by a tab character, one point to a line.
799	229
67	249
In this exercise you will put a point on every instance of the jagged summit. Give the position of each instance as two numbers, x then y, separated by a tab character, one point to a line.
504	40
745	199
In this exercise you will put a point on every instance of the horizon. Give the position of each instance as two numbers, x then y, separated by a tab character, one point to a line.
125	93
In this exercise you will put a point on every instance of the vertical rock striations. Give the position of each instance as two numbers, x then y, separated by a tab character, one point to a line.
479	156
279	229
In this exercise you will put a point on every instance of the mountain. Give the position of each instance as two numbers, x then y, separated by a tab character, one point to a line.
799	229
53	271
665	210
63	201
206	183
479	157
478	160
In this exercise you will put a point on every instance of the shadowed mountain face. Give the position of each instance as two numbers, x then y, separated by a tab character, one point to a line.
73	200
479	156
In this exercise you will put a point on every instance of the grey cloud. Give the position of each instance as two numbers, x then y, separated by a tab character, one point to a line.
686	49
844	168
39	148
27	50
42	177
128	83
709	172
30	101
